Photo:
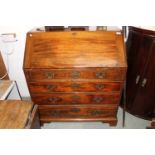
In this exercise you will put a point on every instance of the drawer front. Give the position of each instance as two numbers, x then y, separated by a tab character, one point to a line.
115	74
49	87
76	111
76	98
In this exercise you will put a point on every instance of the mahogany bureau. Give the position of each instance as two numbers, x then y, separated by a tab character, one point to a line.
76	75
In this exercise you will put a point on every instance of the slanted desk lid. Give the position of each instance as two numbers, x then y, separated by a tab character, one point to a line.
74	49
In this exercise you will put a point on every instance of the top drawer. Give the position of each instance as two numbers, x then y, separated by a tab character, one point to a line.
114	74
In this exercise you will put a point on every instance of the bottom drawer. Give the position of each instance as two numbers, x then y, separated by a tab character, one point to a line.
59	112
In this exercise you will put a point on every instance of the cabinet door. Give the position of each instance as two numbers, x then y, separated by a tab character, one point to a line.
145	98
137	56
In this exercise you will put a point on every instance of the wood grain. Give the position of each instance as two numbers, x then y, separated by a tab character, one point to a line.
75	111
14	114
74	49
76	98
76	75
2	68
69	86
113	74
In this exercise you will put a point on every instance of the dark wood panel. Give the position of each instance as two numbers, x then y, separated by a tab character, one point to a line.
138	54
140	74
133	73
69	86
144	102
142	30
114	74
76	98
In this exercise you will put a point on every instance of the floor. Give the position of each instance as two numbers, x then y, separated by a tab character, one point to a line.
130	123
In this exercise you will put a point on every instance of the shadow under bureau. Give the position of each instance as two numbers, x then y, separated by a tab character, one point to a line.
75	75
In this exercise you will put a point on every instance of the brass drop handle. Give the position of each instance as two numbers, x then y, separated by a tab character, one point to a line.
50	75
144	82
99	86
75	74
54	99
50	86
100	75
96	112
55	113
137	79
98	99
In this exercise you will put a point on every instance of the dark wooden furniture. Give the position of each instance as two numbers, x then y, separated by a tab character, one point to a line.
152	124
16	114
75	75
141	72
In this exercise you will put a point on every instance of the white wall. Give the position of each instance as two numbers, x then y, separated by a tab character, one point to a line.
16	59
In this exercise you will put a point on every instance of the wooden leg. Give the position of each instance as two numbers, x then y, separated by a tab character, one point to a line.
41	124
111	123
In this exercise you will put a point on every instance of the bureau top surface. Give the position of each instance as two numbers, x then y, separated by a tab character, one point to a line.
74	49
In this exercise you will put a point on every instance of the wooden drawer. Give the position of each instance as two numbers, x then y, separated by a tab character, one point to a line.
69	86
114	74
76	112
75	98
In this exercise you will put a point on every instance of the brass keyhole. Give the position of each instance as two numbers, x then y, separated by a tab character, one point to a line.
98	99
75	86
49	75
50	87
